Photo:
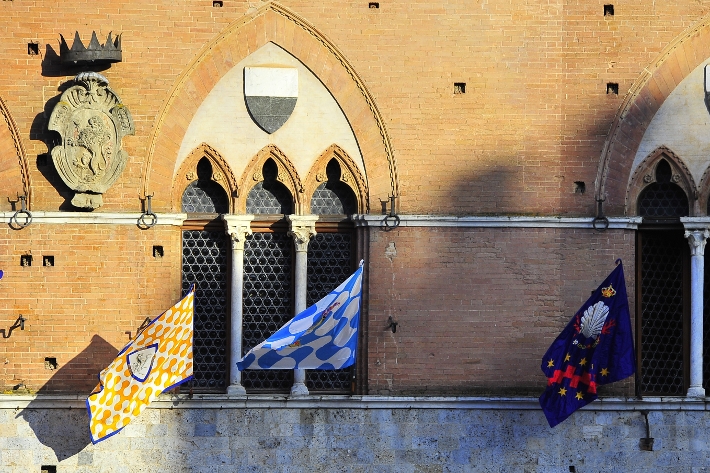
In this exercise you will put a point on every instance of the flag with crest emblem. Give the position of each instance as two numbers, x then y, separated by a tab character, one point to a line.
595	348
157	359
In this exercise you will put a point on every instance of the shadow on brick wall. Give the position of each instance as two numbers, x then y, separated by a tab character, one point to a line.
66	431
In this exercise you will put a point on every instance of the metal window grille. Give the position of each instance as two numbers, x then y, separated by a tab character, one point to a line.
333	198
662	313
663	198
267	303
329	264
205	197
205	264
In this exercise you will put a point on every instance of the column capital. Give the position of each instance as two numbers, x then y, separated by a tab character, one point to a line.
237	227
302	228
696	240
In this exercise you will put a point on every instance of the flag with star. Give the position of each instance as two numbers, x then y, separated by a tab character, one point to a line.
595	348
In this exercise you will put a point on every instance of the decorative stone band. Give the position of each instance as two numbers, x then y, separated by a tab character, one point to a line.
107	218
371	220
221	401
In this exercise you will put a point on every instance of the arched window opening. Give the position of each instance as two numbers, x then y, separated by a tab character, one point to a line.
663	304
204	195
206	264
333	197
269	196
663	198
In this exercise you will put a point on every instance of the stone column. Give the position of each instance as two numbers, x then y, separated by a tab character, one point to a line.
697	240
302	228
237	227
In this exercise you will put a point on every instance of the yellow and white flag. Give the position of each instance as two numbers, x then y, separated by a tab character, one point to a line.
159	358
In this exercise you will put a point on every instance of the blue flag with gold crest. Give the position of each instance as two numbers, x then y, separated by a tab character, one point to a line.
595	348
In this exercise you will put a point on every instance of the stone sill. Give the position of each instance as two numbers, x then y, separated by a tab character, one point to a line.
220	401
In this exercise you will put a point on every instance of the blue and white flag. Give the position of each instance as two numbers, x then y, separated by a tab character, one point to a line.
322	337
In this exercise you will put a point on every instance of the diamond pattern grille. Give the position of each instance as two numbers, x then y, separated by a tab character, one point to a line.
329	264
205	264
205	196
333	198
267	302
269	198
662	314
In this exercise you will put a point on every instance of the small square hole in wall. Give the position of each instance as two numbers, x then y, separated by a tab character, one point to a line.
373	5
612	88
49	469
26	260
459	87
48	261
217	3
579	187
608	10
158	252
33	49
50	363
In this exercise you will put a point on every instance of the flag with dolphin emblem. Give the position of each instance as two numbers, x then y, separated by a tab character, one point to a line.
322	337
157	359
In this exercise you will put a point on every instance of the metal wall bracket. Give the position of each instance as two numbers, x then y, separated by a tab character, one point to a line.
147	219
21	218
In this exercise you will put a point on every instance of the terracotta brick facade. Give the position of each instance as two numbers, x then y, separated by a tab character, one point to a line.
475	307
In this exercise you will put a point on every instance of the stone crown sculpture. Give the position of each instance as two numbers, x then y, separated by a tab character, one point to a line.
92	121
95	53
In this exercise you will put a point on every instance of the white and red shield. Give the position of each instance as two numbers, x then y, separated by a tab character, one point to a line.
270	94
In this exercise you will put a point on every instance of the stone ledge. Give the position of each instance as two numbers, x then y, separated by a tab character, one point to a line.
214	401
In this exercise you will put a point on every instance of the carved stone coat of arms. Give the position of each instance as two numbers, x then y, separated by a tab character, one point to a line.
92	121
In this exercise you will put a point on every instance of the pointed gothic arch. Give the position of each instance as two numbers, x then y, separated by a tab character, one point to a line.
221	174
645	175
645	97
15	176
270	23
286	175
349	175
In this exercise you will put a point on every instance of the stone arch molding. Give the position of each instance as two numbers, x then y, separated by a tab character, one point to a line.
645	175
221	174
645	97
14	170
270	23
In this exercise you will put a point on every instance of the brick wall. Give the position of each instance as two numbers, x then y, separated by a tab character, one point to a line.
105	281
477	308
532	121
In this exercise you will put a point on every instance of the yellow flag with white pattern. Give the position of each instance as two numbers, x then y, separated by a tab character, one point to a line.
159	358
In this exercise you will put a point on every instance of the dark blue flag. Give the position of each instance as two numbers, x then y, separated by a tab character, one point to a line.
595	348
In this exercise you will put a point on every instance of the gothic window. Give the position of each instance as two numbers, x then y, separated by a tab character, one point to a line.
663	259
269	196
333	196
204	195
206	264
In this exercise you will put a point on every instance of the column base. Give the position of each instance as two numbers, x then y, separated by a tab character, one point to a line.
696	392
298	390
236	390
